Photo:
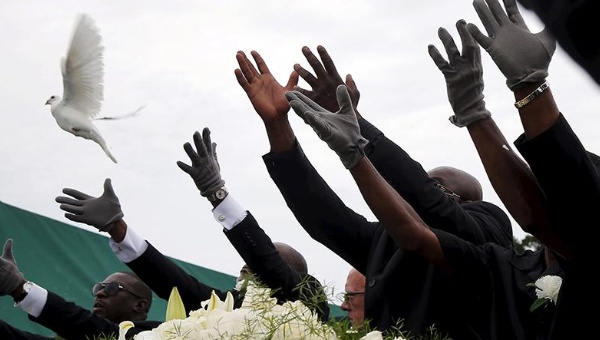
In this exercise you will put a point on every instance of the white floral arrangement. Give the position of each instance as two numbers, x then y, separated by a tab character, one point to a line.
259	318
546	289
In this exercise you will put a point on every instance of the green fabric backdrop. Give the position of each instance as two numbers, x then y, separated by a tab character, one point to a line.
68	260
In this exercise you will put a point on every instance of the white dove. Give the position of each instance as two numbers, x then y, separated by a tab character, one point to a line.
83	89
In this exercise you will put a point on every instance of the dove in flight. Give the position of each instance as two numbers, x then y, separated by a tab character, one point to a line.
83	88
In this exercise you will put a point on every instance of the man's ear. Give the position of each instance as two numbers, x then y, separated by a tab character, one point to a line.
141	306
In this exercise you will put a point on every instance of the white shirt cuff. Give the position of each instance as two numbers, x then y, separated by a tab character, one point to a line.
34	301
130	248
229	213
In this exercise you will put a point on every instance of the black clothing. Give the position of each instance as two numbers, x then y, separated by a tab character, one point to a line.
255	247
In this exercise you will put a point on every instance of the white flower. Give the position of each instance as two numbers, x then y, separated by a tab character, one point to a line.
547	287
260	317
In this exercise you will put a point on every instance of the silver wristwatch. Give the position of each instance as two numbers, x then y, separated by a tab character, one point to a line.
219	195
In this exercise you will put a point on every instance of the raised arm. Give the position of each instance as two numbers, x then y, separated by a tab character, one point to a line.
525	66
341	133
243	231
268	98
160	273
480	222
510	176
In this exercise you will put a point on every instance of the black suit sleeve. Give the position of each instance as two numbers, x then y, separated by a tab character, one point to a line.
161	275
259	253
9	332
480	223
73	322
570	182
318	209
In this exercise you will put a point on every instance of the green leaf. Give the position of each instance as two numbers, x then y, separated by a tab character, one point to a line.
537	304
175	307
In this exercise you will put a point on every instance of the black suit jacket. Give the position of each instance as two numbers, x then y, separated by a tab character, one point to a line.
73	322
161	274
400	286
8	332
571	185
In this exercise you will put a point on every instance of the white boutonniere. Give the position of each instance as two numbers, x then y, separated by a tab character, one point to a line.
546	289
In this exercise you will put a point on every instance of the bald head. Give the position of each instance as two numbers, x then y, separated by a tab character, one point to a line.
460	182
292	257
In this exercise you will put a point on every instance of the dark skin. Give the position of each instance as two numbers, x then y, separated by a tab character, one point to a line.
123	305
392	210
460	182
120	307
268	99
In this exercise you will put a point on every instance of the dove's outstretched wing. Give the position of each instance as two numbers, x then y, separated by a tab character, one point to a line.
83	69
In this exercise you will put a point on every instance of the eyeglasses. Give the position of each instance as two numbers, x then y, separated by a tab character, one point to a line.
448	192
349	295
111	288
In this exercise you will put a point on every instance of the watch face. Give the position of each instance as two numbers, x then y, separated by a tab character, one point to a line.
220	194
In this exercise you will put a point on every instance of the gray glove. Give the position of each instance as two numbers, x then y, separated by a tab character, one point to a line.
522	56
99	212
10	276
205	170
339	130
463	75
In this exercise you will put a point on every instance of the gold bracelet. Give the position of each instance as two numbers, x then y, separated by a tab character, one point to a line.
532	95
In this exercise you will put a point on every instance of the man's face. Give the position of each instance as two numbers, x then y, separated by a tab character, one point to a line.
354	298
115	299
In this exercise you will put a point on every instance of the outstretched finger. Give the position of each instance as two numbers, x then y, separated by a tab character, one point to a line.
260	63
438	59
314	62
71	209
514	15
246	67
328	63
68	200
76	194
470	48
483	40
306	75
192	154
449	45
486	17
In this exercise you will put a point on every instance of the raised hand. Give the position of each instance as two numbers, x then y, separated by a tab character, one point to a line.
339	130
205	170
265	93
522	56
464	76
325	81
10	276
99	212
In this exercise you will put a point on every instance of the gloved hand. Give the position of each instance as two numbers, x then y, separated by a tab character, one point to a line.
99	212
522	56
339	130
205	170
10	276
463	75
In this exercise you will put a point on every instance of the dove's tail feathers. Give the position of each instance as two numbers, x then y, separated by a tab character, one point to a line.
96	137
128	115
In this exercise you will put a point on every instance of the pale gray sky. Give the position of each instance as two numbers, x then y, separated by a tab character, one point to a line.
178	57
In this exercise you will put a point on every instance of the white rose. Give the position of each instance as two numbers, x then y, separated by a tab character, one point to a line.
547	287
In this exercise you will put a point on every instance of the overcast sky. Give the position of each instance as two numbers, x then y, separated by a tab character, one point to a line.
178	58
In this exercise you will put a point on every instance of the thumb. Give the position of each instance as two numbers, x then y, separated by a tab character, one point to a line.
108	189
7	252
343	98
